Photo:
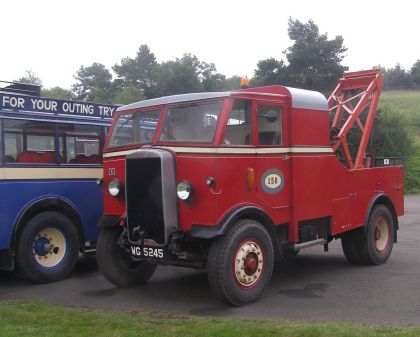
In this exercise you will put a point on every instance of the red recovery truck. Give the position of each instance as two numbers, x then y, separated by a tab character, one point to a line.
232	181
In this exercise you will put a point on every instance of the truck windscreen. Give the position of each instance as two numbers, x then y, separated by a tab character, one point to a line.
193	122
134	128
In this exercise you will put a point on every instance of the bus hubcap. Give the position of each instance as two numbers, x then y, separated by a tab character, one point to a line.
49	247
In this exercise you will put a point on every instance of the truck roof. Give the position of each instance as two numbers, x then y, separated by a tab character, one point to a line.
303	99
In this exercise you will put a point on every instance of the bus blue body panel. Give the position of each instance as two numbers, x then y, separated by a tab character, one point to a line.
84	196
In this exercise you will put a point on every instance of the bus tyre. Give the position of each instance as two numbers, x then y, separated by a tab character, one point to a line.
47	248
115	262
378	237
240	263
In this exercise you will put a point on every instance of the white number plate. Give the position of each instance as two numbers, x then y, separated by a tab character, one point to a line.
147	252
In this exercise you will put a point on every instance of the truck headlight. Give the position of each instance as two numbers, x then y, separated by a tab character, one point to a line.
184	190
114	187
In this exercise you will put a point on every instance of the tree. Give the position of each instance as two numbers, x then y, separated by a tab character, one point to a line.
314	60
211	80
95	84
232	83
138	72
415	74
187	74
30	78
269	72
396	78
58	93
177	77
129	94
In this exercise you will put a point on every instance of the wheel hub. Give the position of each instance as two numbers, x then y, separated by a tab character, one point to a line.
49	247
41	246
251	264
248	263
381	234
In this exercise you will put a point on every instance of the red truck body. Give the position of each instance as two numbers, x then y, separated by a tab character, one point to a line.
269	158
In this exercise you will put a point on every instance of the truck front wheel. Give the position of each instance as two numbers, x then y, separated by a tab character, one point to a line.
376	244
240	263
115	262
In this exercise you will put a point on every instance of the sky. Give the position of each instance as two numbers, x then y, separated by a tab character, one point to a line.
54	38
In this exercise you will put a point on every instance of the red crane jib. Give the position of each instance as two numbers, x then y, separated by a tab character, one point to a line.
352	105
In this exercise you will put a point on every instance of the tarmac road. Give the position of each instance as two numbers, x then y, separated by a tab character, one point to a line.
316	287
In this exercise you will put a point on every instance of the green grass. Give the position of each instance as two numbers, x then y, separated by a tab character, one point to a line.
408	103
41	319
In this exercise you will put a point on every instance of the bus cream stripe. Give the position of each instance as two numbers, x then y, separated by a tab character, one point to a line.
21	173
232	150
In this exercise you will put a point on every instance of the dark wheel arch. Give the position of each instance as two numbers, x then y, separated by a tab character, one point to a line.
233	216
385	200
55	204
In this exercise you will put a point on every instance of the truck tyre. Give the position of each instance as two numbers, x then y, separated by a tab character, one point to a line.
240	263
350	244
378	237
115	262
47	248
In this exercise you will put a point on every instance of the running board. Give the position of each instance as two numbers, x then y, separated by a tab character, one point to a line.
307	244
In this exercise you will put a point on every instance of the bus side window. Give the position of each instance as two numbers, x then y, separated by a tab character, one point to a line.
80	144
29	142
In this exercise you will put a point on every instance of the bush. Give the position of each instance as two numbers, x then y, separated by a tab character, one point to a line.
392	137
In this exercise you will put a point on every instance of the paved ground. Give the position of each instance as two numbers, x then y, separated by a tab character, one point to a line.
316	286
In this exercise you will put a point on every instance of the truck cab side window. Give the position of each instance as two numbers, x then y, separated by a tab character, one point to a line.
269	125
238	128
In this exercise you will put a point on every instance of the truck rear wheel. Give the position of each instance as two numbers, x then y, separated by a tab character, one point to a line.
115	262
350	245
47	248
376	245
373	244
240	263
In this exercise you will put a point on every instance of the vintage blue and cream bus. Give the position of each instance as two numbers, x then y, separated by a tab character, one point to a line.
50	163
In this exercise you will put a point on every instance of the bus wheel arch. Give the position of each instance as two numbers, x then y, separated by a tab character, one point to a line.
53	204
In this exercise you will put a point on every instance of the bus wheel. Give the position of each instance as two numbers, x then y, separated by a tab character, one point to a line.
47	248
116	263
378	239
240	263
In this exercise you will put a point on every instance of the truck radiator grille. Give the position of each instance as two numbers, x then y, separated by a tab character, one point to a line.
144	200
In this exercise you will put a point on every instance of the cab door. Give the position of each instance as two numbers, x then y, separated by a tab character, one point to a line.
273	164
235	160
